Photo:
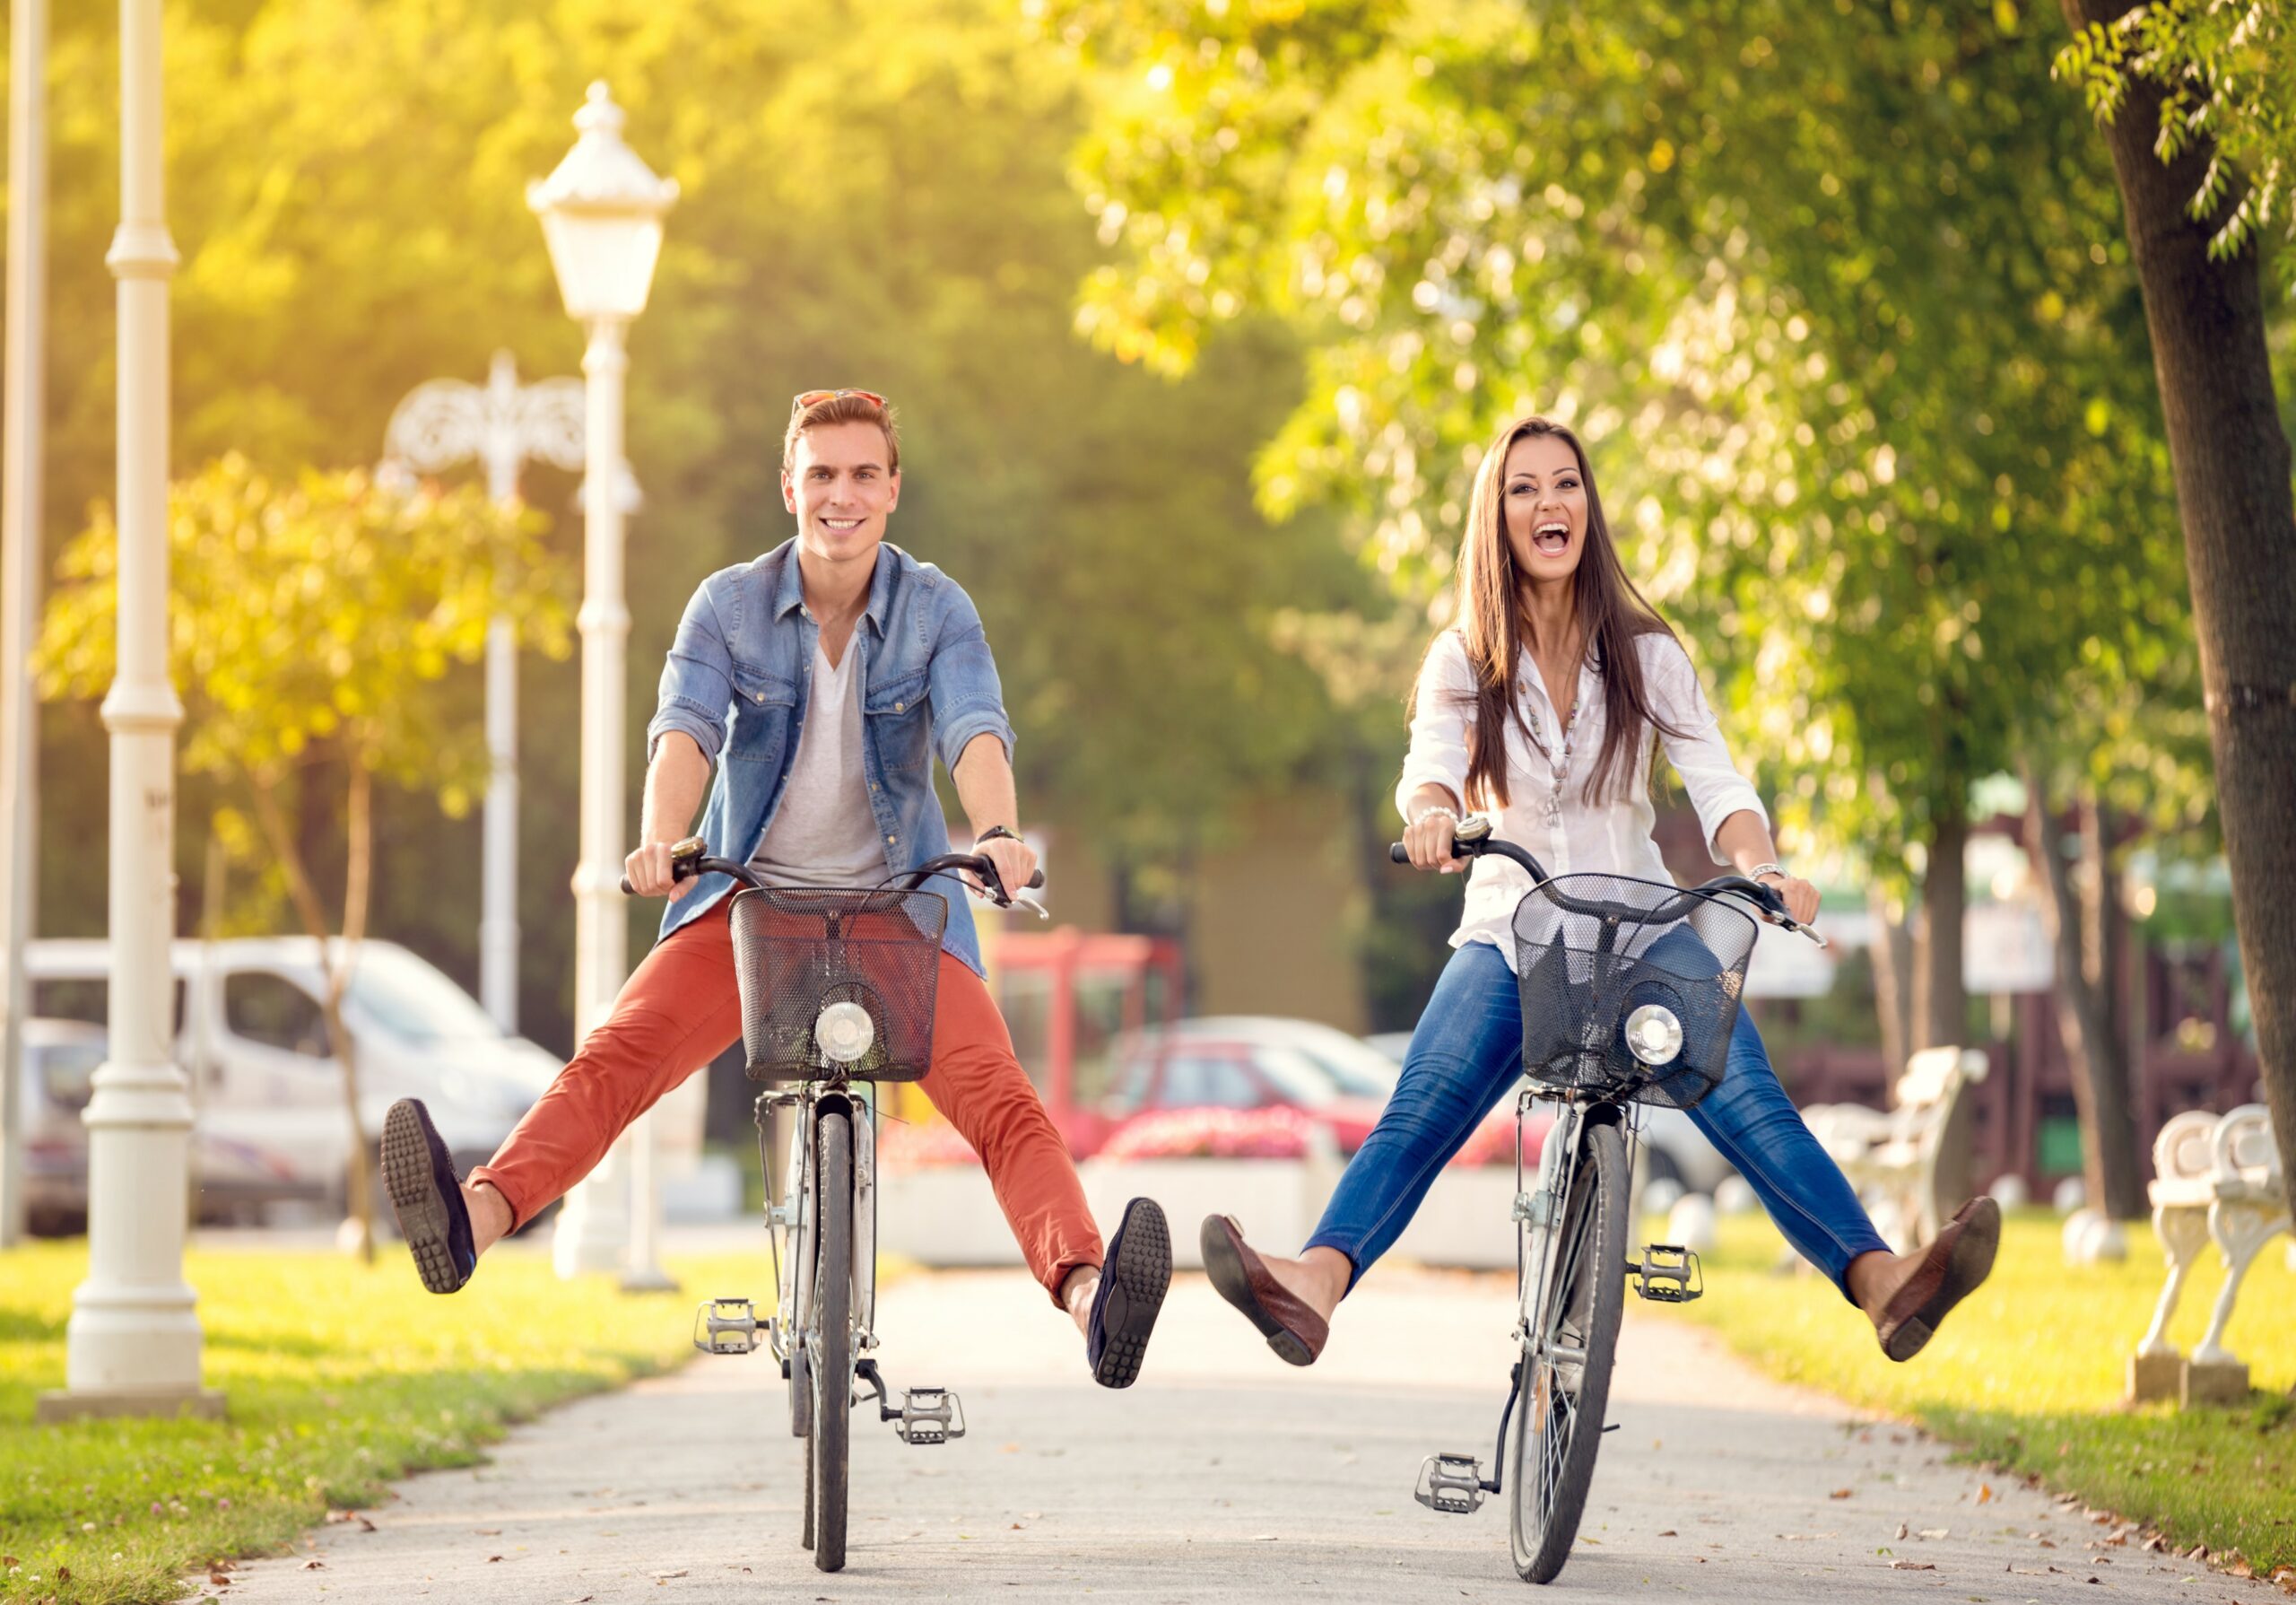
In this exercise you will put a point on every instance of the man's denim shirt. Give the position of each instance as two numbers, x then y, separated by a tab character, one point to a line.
738	678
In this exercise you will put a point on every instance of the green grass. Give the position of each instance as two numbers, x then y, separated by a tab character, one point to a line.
338	1379
2030	1373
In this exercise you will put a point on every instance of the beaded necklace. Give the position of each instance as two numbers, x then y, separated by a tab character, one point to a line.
1559	766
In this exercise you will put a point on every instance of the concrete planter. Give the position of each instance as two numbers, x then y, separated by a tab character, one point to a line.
948	1217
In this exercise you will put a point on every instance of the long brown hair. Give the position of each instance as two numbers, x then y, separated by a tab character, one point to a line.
1491	622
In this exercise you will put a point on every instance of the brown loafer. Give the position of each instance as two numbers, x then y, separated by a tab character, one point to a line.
1296	1332
1949	1270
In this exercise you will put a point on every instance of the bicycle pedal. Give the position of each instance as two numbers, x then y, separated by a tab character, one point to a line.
1451	1485
929	1416
729	1326
1667	1274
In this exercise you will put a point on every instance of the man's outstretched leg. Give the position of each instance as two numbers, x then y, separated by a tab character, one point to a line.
977	1082
677	1011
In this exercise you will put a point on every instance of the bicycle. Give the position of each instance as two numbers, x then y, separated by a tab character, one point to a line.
838	989
1630	991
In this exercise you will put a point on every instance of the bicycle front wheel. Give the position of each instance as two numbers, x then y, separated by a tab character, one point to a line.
1566	1380
832	1358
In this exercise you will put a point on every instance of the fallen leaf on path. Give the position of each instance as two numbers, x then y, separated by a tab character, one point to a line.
1670	1532
2049	1543
1840	1493
219	1580
1935	1532
1901	1529
679	1573
1911	1565
314	1565
488	1532
1595	1542
1984	1493
364	1524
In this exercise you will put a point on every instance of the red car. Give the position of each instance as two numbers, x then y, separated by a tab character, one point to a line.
1260	1062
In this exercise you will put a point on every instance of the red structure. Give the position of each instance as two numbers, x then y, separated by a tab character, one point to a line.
1067	994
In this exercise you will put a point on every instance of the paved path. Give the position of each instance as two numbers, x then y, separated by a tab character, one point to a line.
1224	1475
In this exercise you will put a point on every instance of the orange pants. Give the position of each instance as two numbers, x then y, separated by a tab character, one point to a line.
682	1008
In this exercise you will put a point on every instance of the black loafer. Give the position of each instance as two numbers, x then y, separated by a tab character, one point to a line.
1133	1283
427	1196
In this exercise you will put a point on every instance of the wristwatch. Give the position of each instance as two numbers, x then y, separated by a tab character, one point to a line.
994	832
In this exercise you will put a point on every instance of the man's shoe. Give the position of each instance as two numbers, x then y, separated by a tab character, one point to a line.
1949	1271
1296	1332
1133	1283
427	1196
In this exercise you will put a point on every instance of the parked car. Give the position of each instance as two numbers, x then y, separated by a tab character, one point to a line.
1259	1061
60	1059
269	1119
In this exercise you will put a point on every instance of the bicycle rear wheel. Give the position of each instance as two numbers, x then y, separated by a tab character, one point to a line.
1566	1379
832	1358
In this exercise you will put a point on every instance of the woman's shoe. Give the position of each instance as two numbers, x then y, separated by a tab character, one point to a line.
1296	1332
1949	1270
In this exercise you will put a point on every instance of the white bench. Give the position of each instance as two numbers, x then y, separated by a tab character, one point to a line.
1890	1157
2216	1176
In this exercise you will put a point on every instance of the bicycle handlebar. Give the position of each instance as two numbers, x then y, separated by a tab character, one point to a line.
1474	839
688	858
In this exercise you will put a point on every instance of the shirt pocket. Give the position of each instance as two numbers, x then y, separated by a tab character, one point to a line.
898	721
763	704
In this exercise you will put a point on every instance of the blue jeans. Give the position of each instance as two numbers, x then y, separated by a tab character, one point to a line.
1466	1056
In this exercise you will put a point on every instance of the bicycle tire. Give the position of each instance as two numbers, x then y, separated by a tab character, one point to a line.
1557	1429
832	1366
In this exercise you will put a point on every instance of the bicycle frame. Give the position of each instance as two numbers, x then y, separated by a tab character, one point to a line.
793	1221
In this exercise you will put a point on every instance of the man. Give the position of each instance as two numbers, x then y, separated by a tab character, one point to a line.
820	680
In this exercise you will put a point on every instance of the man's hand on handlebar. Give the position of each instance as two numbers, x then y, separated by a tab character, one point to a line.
1430	841
1015	861
646	873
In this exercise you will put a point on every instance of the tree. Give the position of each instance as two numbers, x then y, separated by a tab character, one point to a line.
2190	214
1822	282
317	614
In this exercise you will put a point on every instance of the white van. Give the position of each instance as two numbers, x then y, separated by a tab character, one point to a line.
270	1120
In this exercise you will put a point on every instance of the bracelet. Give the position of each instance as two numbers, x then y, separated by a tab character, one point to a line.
1449	814
1759	870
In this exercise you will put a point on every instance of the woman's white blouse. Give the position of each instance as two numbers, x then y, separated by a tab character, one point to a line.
1579	837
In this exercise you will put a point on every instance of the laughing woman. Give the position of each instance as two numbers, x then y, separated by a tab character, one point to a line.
1540	708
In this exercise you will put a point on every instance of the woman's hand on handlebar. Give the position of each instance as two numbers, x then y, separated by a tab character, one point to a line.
1015	861
1430	841
646	873
1800	897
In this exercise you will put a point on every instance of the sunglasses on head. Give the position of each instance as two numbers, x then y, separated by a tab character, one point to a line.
807	398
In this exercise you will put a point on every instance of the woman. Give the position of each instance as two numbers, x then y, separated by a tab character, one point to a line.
1541	707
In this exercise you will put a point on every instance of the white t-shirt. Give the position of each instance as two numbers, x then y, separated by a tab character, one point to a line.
824	835
1568	834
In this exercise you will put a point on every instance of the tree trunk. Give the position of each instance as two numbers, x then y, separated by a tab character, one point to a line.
359	1174
2231	458
1941	1006
1893	955
2093	1048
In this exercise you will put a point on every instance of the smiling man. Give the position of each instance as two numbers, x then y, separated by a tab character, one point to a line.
820	681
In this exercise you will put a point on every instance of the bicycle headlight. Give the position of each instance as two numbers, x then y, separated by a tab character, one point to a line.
844	1033
1653	1034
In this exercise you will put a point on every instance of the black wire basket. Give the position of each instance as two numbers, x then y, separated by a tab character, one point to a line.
1591	949
798	950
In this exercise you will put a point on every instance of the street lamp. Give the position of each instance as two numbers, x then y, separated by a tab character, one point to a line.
601	215
503	424
134	1345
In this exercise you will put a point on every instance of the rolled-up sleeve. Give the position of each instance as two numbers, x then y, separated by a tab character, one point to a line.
1438	723
967	698
1717	788
697	687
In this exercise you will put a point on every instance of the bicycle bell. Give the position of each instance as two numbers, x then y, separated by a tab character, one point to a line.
843	1032
1653	1034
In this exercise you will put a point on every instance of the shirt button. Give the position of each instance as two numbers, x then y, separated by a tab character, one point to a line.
901	707
892	841
760	696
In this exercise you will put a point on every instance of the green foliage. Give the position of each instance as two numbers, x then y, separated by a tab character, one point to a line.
316	609
2213	1477
2227	72
327	1403
870	194
1827	288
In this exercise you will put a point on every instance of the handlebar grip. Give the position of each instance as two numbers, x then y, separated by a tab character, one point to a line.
627	889
1036	880
1398	854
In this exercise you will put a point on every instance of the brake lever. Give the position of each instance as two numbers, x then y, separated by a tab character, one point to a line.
1041	911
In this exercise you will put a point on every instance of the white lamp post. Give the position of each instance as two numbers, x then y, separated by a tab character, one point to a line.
134	1342
503	424
602	216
